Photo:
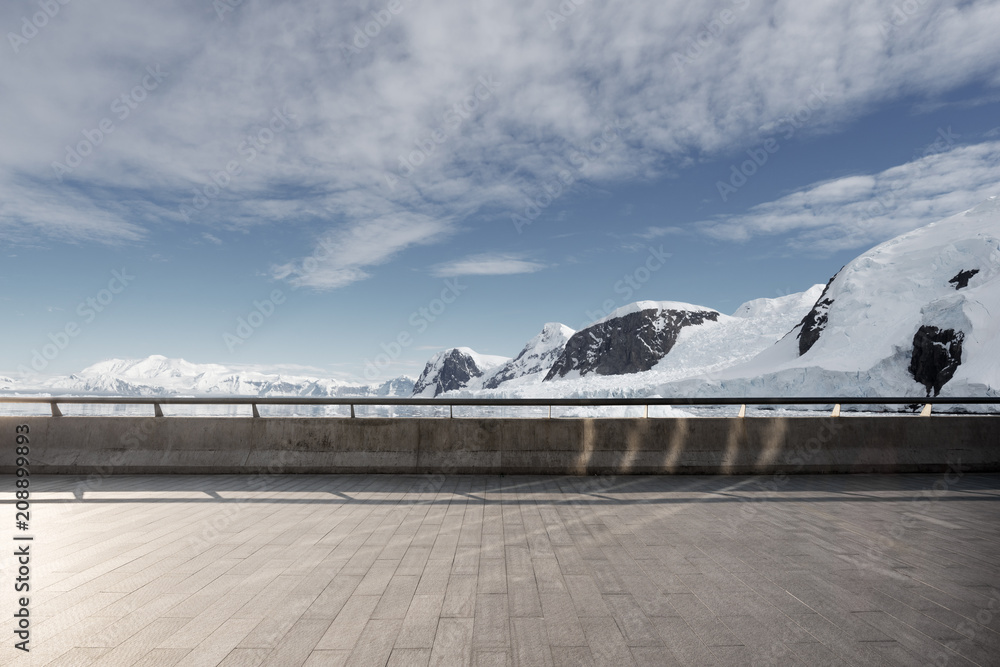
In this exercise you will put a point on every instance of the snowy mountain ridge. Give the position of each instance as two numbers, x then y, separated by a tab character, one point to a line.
632	339
160	376
914	316
658	306
456	368
536	357
698	350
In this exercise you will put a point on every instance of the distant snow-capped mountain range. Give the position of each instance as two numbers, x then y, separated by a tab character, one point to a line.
160	376
913	316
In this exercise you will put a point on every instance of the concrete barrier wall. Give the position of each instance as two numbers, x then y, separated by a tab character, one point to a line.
193	445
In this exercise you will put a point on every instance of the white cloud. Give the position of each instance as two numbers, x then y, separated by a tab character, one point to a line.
28	208
342	255
356	118
486	264
658	232
857	211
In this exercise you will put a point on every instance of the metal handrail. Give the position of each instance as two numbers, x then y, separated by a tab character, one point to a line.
571	402
835	401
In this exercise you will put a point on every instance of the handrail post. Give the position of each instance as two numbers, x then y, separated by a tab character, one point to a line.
743	411
352	410
55	409
926	412
157	412
451	412
645	414
256	414
836	410
550	411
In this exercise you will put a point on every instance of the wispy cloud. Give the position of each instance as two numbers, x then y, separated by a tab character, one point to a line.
487	264
343	255
29	209
659	232
857	211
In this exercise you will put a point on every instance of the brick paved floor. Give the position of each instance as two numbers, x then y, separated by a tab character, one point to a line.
465	570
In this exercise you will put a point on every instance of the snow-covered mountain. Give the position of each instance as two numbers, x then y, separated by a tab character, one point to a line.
456	368
917	315
401	386
536	357
631	339
160	376
698	350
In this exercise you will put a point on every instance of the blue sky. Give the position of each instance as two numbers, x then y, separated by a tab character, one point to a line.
265	161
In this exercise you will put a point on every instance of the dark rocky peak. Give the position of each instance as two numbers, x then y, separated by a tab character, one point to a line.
629	343
961	280
447	371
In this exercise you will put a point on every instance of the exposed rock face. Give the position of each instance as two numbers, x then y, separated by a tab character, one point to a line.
961	280
937	354
447	371
814	322
536	357
631	343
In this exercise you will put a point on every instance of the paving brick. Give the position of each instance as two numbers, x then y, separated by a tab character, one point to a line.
343	633
342	569
607	645
492	629
460	598
453	642
421	622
